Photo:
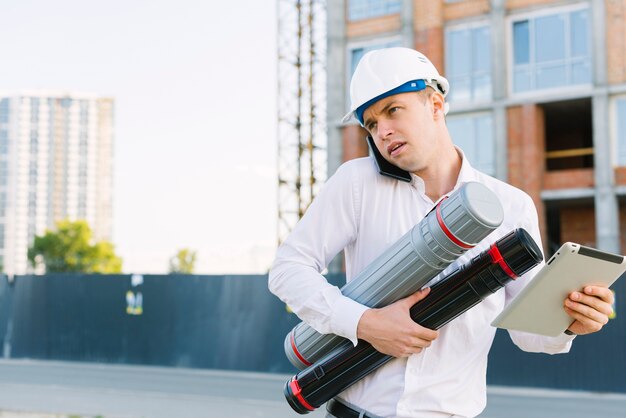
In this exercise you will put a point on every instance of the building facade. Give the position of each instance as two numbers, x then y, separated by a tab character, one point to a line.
537	97
56	154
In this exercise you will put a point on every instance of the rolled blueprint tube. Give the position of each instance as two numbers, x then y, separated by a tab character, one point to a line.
510	257
455	225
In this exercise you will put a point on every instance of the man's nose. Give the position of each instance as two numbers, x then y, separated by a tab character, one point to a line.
385	128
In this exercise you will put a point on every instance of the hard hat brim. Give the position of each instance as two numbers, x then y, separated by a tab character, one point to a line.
349	117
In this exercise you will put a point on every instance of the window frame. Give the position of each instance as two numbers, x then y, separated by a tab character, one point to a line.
510	50
360	19
473	115
469	26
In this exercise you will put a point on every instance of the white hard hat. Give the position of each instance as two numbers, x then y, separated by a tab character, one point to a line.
384	72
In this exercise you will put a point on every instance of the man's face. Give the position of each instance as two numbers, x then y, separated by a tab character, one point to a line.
403	129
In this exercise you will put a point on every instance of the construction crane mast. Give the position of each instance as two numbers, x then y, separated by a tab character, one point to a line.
301	108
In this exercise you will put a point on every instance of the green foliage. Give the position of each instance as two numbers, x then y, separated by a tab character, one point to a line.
70	249
183	262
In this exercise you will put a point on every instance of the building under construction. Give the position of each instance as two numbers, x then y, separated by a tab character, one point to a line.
537	98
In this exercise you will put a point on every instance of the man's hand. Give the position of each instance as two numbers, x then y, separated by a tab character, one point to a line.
391	330
590	308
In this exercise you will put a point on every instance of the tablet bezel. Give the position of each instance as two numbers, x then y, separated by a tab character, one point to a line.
538	308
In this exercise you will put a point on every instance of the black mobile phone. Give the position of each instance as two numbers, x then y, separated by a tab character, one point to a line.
385	167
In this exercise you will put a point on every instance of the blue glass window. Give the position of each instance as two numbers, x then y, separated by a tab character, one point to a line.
468	64
4	173
621	132
4	141
474	135
3	205
551	51
365	9
4	110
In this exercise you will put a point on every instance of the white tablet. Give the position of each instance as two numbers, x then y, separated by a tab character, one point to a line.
539	309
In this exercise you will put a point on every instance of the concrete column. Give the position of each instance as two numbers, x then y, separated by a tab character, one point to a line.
606	205
406	17
336	93
607	210
336	80
499	85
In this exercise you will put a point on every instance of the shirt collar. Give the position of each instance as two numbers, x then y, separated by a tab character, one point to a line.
466	175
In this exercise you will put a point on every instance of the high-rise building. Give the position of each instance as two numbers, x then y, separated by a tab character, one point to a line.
56	154
537	97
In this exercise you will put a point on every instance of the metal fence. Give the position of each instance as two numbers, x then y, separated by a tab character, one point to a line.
234	323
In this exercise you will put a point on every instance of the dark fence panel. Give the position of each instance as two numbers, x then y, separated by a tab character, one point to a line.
225	322
6	305
233	322
222	322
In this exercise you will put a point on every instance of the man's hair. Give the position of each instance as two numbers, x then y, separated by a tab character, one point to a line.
426	93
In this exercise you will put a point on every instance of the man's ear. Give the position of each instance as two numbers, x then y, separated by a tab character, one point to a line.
438	103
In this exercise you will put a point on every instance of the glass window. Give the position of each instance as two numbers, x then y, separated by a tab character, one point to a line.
4	172
468	63
521	42
4	111
474	135
621	132
365	9
551	51
4	141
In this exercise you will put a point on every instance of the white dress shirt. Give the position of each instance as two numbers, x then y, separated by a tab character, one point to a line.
364	213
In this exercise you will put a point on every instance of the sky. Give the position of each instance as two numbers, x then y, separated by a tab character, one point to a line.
194	85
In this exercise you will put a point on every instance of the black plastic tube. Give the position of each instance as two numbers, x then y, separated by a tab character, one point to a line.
510	257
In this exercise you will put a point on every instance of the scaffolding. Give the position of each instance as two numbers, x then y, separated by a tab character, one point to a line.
301	108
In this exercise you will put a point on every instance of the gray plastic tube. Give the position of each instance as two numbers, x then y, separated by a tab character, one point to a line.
455	225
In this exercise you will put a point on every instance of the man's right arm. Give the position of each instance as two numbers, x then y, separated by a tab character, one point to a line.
328	226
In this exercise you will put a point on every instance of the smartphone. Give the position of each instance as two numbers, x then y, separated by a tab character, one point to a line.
385	167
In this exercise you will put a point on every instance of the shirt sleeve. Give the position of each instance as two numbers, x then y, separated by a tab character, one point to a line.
327	227
532	342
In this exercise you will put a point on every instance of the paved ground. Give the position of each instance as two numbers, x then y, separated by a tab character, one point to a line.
37	389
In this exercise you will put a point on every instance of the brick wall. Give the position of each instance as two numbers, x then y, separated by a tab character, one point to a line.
568	179
377	25
428	30
467	8
522	4
526	154
578	225
620	175
616	40
354	143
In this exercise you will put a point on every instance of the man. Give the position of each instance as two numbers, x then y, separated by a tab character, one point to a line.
399	97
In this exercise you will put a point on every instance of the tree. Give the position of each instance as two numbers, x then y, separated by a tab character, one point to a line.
71	249
183	262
